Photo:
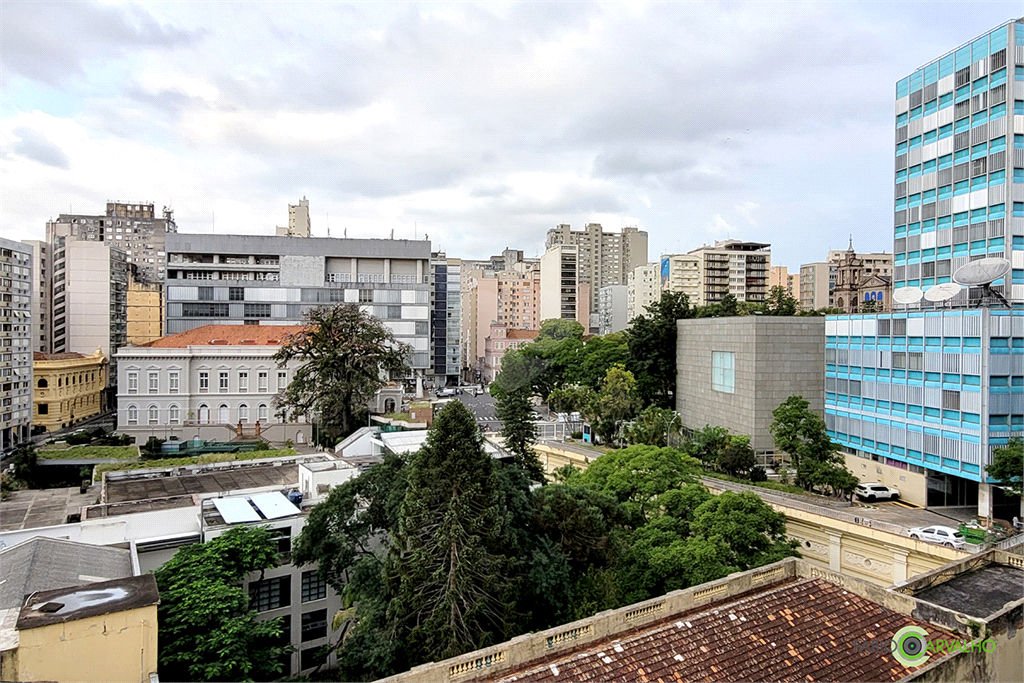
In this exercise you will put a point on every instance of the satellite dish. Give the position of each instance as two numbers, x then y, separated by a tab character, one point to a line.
981	272
907	295
942	292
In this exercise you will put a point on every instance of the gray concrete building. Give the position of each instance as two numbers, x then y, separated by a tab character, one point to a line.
733	372
134	229
16	331
40	294
269	280
446	318
612	309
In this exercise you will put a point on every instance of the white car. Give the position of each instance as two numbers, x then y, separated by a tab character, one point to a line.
876	492
943	535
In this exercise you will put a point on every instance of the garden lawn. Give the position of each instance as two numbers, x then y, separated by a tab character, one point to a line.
89	452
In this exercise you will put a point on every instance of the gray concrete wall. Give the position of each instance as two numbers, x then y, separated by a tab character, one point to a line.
267	245
775	357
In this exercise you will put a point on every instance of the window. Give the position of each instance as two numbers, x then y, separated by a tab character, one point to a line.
282	381
236	294
133	415
204	382
42	384
223	414
314	625
204	414
243	413
262	380
154	415
191	310
262	413
270	593
243	382
308	658
173	414
206	293
172	382
44	409
723	371
154	382
313	587
366	296
222	382
133	382
257	310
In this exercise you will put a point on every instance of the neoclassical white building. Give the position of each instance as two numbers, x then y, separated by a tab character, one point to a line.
213	382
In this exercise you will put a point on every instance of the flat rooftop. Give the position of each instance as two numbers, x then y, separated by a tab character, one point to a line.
33	508
151	485
979	593
80	602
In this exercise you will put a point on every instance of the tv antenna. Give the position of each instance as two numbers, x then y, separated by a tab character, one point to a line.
982	273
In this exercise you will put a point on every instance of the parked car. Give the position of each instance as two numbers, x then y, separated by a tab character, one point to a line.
876	492
442	393
943	535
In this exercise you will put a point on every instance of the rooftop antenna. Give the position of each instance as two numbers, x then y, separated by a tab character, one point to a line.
982	273
392	233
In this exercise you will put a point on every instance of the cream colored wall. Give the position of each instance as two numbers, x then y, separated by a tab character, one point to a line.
113	648
63	397
145	313
553	458
912	486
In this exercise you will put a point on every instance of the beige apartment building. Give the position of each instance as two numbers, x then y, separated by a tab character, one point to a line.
298	220
604	258
145	310
816	283
643	289
710	272
681	273
779	276
562	293
508	297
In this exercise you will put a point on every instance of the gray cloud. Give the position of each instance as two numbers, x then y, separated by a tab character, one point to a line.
36	146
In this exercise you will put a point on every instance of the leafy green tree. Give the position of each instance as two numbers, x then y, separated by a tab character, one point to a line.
651	339
655	426
346	355
638	475
617	401
594	357
800	432
26	466
780	302
152	447
570	399
706	444
737	457
560	328
450	573
1007	468
515	411
531	368
752	531
207	630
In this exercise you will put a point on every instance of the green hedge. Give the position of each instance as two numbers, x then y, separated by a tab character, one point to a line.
98	470
89	452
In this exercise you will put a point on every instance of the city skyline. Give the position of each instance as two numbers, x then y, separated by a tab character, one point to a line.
568	114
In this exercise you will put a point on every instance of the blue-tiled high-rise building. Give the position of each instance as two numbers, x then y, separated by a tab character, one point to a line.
924	393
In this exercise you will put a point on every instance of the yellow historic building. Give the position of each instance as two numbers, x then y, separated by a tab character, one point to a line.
69	387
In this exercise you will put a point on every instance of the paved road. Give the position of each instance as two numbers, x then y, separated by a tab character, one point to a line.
482	408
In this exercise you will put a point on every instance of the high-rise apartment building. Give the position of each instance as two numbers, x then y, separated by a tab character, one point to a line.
817	280
269	280
446	318
681	273
612	309
605	258
298	220
509	297
643	289
16	343
779	276
89	308
135	229
710	272
928	394
40	294
562	293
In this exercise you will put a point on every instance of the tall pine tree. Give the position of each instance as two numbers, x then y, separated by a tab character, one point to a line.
450	570
514	410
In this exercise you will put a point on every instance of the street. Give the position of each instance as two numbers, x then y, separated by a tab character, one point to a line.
482	408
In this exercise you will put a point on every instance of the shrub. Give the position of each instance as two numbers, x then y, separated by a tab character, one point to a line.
758	474
78	439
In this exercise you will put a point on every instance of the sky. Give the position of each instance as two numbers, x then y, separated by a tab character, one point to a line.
478	125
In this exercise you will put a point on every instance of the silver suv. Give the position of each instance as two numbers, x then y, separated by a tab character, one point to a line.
876	492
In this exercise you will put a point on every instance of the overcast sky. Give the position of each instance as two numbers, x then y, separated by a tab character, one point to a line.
479	125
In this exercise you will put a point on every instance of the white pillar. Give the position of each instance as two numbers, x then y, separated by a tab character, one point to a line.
899	565
419	385
835	550
984	504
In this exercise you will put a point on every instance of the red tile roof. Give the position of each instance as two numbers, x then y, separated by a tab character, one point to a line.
522	334
39	355
227	335
801	630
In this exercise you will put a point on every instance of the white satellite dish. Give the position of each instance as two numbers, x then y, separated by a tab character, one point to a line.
943	292
907	295
981	272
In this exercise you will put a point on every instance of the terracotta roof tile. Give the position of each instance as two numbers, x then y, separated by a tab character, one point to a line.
227	335
38	355
522	334
803	630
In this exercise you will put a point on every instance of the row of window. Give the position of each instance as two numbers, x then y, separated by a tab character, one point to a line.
194	310
949	417
80	378
223	377
276	593
223	414
991	47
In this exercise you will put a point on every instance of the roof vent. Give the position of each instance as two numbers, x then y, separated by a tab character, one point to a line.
51	607
247	341
273	341
218	342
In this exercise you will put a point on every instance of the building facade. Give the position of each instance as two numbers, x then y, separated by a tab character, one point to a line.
612	309
959	191
133	229
446	318
40	294
500	340
817	280
681	273
215	383
604	258
643	289
562	293
298	221
779	276
863	282
144	310
263	280
17	332
732	267
733	372
69	387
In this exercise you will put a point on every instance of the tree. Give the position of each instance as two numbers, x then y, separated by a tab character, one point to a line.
655	427
753	532
800	432
514	410
706	444
1007	468
152	448
616	402
449	571
26	465
560	328
207	631
780	302
346	355
737	457
651	339
570	399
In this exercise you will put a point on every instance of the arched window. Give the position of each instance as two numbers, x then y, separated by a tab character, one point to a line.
223	414
204	414
174	414
262	413
243	413
840	302
154	415
42	384
60	381
133	415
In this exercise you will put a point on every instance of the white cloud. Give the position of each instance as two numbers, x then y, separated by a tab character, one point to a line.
747	210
